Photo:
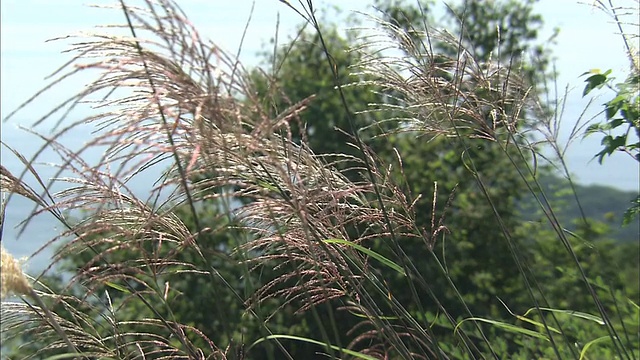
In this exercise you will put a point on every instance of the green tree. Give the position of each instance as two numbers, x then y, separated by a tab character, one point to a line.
476	251
302	74
476	254
621	112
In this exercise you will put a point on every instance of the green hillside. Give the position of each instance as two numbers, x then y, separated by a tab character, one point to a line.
602	203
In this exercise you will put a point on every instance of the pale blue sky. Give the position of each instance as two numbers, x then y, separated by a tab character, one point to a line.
587	40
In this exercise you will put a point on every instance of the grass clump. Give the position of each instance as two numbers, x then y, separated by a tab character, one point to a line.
262	238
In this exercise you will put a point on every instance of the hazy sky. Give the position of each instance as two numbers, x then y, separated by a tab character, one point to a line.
587	40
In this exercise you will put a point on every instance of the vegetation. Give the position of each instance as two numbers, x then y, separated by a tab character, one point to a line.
376	195
599	203
621	111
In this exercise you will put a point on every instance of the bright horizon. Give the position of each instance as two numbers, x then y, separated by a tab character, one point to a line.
587	40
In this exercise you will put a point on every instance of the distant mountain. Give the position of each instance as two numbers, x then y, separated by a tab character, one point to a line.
602	203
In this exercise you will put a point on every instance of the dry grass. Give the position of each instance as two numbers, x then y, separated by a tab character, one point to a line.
164	93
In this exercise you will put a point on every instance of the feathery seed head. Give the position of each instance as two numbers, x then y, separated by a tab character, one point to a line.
13	279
